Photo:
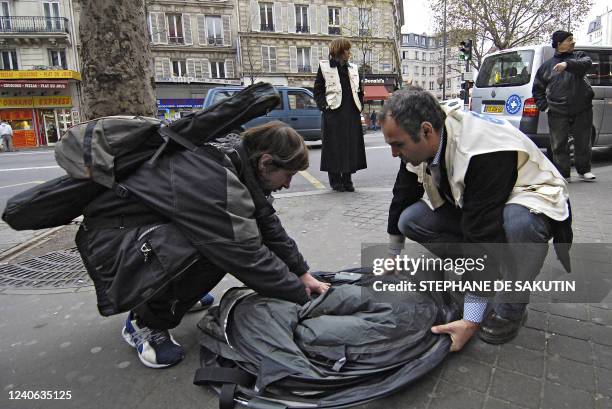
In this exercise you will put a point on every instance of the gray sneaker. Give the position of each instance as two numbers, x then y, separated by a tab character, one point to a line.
587	177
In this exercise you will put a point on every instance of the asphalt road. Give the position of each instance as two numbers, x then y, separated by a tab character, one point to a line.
22	170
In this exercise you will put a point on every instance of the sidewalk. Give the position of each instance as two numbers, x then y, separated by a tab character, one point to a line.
563	358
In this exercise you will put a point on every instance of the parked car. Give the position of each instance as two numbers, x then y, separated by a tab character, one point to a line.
503	89
297	108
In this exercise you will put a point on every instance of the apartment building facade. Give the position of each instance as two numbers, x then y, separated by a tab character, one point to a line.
282	42
422	64
39	78
194	49
600	30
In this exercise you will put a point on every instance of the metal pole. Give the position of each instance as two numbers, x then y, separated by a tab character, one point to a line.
444	56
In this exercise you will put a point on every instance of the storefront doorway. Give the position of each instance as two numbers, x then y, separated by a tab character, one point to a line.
50	125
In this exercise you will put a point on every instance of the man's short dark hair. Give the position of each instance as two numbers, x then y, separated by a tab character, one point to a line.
410	108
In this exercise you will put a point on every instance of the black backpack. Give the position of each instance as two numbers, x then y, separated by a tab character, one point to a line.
98	154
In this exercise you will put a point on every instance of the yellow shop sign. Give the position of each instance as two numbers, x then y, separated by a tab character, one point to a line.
40	75
59	101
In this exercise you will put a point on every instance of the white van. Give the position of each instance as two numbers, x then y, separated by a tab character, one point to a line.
503	89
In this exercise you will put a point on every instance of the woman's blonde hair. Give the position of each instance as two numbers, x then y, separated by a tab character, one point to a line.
339	46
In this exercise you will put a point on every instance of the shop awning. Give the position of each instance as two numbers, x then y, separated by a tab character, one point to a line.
375	93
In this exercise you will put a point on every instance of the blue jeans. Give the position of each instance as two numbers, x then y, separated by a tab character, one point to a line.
443	225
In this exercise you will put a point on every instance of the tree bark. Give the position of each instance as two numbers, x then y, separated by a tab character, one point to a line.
117	77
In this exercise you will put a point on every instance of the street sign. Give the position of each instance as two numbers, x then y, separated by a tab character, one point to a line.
468	76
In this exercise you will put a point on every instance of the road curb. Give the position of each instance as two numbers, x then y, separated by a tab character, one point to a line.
19	249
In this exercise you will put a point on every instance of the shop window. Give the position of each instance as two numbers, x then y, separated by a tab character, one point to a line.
217	69
179	68
57	58
9	60
213	26
175	28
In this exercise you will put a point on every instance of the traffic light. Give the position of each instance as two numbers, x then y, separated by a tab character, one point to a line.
466	50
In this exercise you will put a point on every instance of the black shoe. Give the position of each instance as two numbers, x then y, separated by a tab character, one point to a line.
496	329
338	187
349	187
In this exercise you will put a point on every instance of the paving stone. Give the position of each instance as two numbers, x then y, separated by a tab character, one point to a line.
493	403
569	310
604	379
519	359
537	320
451	396
601	316
416	396
467	372
531	339
603	355
569	327
601	335
571	348
562	397
480	350
571	373
603	403
516	388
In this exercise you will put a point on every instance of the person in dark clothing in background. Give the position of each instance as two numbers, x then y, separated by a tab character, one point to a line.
186	222
561	90
338	93
373	121
486	182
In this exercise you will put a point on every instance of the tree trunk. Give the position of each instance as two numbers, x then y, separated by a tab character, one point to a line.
116	57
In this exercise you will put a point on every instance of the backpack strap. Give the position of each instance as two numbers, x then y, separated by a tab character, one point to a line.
230	378
168	133
87	158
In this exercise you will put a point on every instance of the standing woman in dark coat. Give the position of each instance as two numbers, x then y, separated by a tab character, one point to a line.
338	94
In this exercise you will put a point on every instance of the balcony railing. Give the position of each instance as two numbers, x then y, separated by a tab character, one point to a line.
304	68
267	27
215	41
301	28
33	24
334	30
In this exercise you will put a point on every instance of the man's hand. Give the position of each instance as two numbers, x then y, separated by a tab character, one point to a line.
313	285
460	332
560	67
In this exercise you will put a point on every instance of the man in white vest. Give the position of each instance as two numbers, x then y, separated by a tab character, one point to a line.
485	182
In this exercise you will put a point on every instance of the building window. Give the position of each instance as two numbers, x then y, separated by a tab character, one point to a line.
301	19
424	70
268	57
5	16
179	68
385	67
215	30
405	69
265	14
175	29
217	69
365	18
448	83
432	71
334	20
303	59
431	85
9	60
416	70
57	58
52	15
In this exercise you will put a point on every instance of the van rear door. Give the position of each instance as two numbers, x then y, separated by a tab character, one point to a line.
504	84
600	78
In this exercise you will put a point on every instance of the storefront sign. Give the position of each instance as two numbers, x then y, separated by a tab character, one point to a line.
36	102
180	103
40	75
19	84
372	81
189	80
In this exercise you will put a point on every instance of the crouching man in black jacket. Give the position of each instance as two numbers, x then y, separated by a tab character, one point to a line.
561	89
186	222
485	183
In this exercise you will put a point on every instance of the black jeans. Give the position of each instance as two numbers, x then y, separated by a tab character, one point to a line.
580	126
166	309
